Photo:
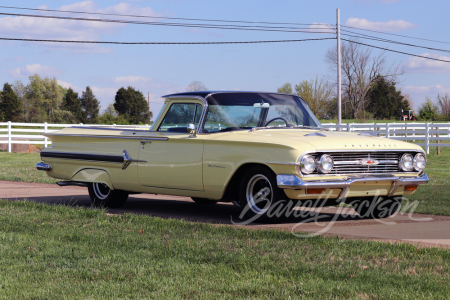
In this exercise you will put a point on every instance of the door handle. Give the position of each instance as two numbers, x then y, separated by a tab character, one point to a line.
145	142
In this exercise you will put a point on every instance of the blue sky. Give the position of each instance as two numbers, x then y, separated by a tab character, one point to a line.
163	69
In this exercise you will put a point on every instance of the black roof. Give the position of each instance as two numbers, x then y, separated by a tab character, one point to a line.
206	93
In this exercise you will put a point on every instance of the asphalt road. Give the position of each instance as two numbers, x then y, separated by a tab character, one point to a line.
419	229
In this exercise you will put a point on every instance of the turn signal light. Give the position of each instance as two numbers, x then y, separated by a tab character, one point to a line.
314	191
410	187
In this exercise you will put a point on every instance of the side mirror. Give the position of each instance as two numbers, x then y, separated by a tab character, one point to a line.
192	130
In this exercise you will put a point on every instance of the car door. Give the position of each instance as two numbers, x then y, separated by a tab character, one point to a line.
174	159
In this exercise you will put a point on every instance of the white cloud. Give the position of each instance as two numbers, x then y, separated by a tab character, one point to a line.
321	28
427	90
418	64
28	70
42	28
394	25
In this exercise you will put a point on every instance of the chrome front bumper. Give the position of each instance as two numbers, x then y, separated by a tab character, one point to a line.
294	182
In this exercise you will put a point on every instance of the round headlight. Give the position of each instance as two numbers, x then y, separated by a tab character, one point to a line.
326	163
307	164
419	162
406	162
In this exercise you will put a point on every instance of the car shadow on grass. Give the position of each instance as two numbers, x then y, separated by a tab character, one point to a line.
185	209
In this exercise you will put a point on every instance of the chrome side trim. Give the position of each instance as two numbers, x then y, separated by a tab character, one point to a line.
127	160
294	182
103	128
112	137
283	163
43	167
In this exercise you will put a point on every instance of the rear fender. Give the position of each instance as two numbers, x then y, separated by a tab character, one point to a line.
93	175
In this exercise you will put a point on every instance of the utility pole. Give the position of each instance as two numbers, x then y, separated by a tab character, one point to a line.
338	37
148	101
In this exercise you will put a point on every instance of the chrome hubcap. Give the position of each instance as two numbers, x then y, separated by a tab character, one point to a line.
259	194
101	190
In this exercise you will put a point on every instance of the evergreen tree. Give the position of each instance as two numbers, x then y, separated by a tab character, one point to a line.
132	105
428	110
385	101
72	104
89	106
10	105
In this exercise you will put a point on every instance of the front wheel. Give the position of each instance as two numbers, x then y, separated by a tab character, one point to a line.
102	196
377	208
260	198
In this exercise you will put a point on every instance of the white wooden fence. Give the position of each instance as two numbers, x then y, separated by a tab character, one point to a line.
22	135
427	134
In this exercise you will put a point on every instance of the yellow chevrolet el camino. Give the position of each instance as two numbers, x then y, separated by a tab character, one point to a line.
261	151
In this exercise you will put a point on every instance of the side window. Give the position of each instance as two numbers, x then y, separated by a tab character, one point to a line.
179	116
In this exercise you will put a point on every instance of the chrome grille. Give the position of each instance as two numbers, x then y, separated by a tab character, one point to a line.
351	162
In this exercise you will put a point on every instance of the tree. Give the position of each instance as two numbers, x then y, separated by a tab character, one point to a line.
132	105
196	86
443	102
360	71
317	94
20	89
384	101
42	97
72	104
428	110
10	105
60	116
285	89
89	106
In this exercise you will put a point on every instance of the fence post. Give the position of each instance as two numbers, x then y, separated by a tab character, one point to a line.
9	136
427	138
414	133
438	142
348	127
387	130
45	139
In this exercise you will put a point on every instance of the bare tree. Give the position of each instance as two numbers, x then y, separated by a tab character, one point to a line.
196	86
443	102
408	98
360	70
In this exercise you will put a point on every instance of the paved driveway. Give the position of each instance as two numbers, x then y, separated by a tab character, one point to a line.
423	230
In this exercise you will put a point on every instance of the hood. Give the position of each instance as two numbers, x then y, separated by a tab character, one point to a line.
327	140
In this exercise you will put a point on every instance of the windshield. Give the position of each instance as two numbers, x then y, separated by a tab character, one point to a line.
235	111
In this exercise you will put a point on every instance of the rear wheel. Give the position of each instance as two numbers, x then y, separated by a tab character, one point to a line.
260	198
382	207
102	196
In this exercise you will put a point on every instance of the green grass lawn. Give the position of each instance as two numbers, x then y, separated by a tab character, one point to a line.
20	167
60	252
